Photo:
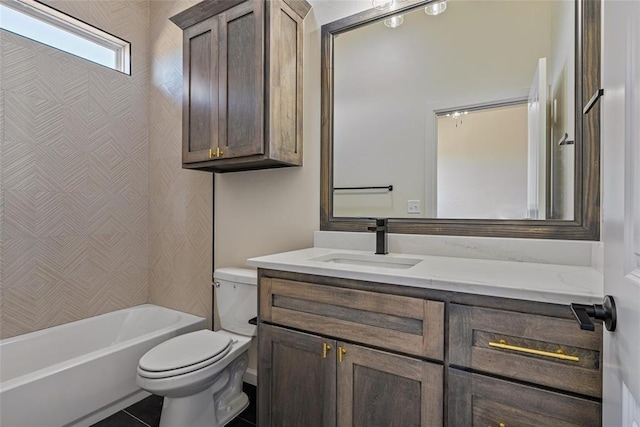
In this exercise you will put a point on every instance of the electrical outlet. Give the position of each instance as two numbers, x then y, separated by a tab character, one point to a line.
413	206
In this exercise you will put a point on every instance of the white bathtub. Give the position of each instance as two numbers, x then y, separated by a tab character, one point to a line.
78	373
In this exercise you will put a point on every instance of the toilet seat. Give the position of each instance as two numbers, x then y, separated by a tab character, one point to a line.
183	354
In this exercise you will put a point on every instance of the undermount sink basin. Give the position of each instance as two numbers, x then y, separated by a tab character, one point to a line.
378	261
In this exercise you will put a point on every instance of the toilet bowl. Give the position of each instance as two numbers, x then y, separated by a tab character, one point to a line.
200	373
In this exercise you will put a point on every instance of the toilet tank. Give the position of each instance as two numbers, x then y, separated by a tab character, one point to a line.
236	299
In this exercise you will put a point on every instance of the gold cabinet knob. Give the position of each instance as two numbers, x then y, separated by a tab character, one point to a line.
214	154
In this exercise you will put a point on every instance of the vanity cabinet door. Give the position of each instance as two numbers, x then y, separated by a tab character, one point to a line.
297	379
478	400
380	389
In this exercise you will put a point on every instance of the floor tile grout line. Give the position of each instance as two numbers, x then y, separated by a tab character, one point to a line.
246	421
133	416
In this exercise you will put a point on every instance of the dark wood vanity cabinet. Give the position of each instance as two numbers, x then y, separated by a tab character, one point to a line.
315	381
544	363
479	400
242	84
297	379
341	352
379	389
328	376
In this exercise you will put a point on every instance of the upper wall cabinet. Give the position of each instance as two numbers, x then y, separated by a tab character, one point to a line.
242	84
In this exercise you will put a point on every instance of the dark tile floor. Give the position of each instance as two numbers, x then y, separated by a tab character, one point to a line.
146	413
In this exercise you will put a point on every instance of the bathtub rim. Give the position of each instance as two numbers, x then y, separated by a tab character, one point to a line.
185	319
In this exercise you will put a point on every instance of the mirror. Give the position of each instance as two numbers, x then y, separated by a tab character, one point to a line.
466	122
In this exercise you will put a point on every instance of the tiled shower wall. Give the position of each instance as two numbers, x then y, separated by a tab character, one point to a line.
74	175
180	201
96	213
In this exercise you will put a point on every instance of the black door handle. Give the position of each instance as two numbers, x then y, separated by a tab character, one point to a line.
605	312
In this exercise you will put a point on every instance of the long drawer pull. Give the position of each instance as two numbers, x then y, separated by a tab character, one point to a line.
559	354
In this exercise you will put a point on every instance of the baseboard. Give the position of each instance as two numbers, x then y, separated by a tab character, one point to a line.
251	377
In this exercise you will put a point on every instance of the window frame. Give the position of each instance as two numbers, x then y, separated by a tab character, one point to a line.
48	15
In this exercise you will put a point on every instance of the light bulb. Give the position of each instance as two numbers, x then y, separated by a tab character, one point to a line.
436	8
382	4
394	21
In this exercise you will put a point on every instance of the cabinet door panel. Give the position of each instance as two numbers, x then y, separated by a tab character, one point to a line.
241	80
379	389
297	384
285	82
200	101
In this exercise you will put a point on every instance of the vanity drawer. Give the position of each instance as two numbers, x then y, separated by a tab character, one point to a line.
484	401
543	350
397	323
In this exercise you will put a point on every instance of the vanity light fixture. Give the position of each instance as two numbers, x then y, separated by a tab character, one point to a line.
436	8
394	21
382	4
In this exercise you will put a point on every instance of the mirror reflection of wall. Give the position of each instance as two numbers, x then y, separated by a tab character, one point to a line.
390	84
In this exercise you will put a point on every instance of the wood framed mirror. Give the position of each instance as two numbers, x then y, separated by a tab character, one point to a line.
368	101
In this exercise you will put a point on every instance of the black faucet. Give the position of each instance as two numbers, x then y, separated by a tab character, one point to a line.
382	225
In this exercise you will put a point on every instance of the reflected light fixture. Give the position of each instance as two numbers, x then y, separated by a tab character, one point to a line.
436	8
382	4
394	21
457	115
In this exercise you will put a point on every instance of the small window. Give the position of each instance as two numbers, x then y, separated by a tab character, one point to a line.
46	25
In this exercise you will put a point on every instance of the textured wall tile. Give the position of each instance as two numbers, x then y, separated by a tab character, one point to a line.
27	309
62	78
75	128
162	140
19	118
18	263
97	214
62	169
180	201
74	224
19	215
18	64
61	258
18	166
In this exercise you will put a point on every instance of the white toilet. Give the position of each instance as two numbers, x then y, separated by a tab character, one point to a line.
200	373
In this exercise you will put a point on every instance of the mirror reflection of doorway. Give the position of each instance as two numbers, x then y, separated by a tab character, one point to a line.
482	161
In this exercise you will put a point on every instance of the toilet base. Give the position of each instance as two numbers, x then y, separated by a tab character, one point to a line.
215	406
182	410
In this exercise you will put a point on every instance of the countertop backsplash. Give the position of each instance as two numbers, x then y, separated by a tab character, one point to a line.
562	252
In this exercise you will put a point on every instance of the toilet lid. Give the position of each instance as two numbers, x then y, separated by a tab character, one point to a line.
185	350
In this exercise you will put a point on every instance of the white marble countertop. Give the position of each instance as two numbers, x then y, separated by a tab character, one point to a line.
560	284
